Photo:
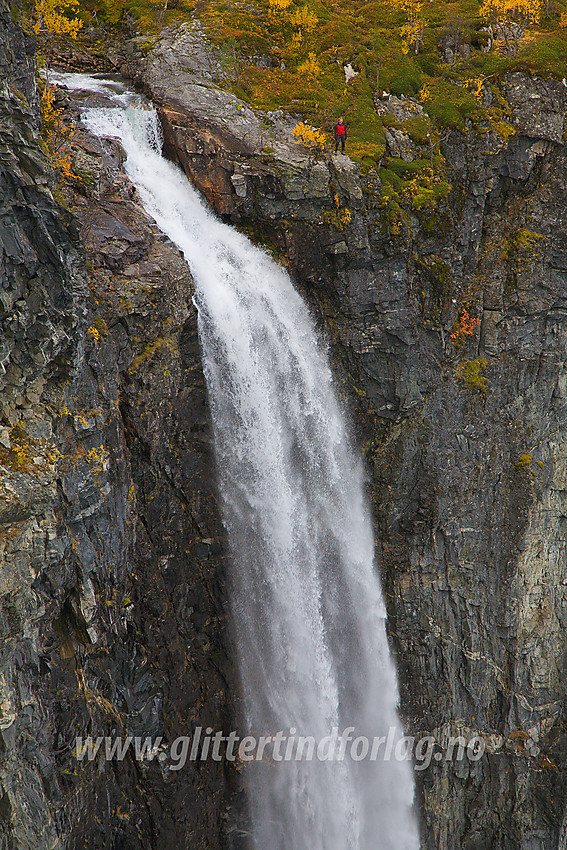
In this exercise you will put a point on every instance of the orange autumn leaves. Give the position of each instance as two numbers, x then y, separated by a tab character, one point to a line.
466	327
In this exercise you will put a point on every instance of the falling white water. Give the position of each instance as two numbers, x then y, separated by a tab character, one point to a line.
307	605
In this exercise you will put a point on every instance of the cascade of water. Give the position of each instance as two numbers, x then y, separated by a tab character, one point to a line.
307	605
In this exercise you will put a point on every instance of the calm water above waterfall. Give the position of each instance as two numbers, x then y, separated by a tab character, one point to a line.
307	606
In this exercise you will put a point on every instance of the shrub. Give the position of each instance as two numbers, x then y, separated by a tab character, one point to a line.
466	327
311	138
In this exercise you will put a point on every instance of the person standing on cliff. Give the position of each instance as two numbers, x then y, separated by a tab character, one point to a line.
340	135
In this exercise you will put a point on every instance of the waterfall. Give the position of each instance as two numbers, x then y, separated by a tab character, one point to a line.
306	601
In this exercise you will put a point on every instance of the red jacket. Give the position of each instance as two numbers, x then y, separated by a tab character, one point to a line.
340	130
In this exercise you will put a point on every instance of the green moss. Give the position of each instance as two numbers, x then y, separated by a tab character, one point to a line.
470	374
548	54
434	222
367	164
403	76
389	120
59	198
414	185
418	128
168	343
525	240
451	103
505	130
523	462
389	177
427	196
86	176
407	169
101	326
337	218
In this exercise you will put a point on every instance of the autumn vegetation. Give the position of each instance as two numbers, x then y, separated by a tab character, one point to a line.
446	55
56	133
466	326
449	58
56	18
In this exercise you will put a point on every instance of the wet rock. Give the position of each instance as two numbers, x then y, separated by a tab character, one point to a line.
110	239
112	610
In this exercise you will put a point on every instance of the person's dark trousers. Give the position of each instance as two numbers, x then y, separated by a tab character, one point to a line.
340	139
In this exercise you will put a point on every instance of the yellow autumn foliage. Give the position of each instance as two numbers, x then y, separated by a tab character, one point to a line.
311	138
412	8
412	31
522	11
276	6
55	134
310	68
475	87
304	19
412	36
57	17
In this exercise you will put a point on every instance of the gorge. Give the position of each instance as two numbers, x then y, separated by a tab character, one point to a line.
115	559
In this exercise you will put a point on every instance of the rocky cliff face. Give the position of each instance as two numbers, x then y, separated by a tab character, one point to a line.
111	577
466	437
111	586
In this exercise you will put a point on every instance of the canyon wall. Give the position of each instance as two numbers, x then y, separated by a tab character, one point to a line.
111	550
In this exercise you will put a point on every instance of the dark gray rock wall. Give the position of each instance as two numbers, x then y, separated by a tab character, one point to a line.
111	550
